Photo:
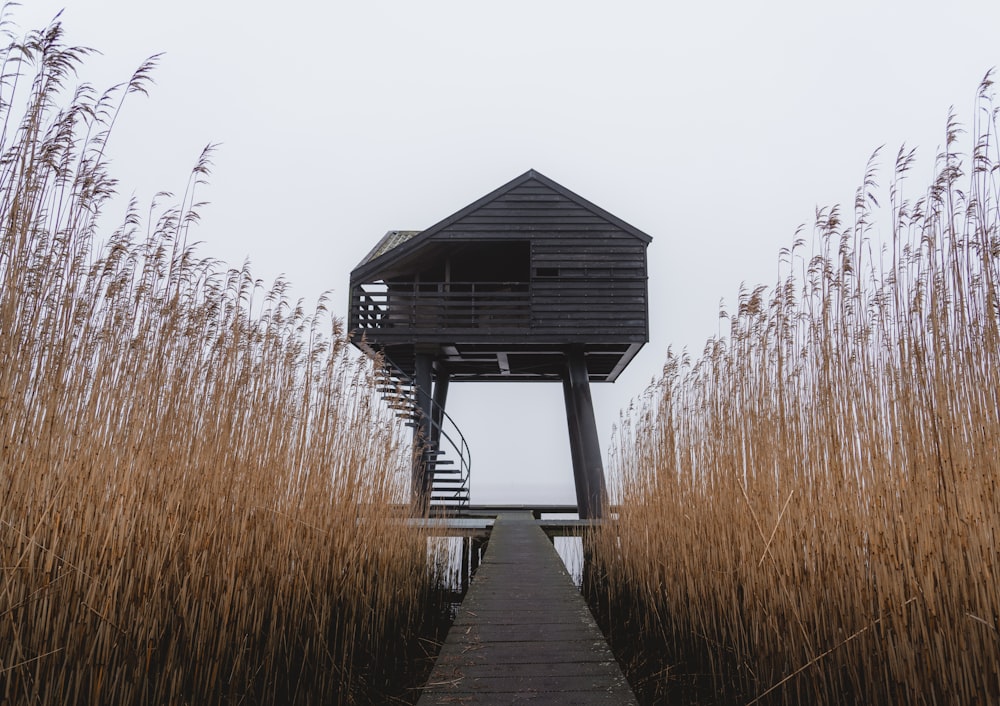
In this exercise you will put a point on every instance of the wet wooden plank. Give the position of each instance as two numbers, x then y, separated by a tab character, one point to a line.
524	633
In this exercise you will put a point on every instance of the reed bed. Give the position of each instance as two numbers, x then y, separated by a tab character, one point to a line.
810	509
197	482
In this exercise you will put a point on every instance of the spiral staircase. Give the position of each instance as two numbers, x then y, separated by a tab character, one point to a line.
446	457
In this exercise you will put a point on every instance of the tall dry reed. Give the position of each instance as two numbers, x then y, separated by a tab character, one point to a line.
810	510
196	482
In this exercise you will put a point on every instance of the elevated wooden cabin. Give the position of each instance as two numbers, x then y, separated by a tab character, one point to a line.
520	285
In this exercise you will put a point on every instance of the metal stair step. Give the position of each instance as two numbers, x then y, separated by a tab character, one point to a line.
448	478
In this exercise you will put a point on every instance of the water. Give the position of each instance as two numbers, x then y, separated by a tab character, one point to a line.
570	550
446	554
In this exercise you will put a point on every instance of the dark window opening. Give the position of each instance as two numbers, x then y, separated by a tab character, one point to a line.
547	271
490	262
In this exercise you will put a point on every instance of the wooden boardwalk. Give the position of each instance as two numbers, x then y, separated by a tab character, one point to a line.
524	633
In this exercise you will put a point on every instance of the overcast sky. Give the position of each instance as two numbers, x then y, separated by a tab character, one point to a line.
717	128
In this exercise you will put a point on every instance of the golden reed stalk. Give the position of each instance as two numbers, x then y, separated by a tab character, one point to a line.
810	509
197	482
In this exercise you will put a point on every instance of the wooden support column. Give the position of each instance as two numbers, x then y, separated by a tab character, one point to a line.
441	379
420	488
588	468
574	443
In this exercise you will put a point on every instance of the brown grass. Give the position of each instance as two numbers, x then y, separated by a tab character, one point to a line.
195	476
810	509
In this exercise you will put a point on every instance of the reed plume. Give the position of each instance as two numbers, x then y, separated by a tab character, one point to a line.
809	509
197	482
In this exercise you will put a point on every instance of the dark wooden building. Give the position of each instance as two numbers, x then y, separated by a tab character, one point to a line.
530	283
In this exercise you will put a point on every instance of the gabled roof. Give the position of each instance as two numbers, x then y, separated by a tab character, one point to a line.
388	242
396	244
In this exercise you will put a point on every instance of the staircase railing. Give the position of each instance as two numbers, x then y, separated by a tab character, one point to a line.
449	479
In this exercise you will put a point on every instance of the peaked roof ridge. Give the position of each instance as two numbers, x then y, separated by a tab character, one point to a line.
589	205
387	249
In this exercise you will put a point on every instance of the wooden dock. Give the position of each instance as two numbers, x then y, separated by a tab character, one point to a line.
524	633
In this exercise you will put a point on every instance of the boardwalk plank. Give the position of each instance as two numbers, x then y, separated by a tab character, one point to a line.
524	633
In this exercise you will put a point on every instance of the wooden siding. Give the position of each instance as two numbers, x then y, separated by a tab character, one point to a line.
583	283
531	208
575	284
587	274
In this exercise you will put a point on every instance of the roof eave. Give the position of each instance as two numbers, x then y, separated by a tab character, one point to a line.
367	269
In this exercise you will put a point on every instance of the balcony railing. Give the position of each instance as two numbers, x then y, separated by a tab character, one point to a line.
441	305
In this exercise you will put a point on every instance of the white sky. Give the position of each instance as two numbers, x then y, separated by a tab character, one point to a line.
717	128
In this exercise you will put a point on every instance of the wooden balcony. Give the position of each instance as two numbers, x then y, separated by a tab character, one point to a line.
422	308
